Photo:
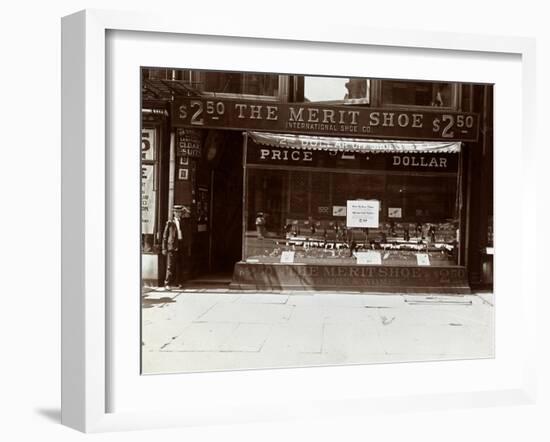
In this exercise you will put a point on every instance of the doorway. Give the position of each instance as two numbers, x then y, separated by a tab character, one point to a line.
227	207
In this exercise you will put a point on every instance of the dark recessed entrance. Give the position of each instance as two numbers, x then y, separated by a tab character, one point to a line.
227	206
219	246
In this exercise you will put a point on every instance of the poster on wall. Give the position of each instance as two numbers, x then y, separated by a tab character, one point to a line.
148	144
148	198
362	213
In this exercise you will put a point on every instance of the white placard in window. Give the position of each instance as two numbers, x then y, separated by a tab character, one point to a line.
422	259
394	212
287	257
339	211
362	213
369	258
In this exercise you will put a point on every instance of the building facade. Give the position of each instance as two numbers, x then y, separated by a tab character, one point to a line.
291	181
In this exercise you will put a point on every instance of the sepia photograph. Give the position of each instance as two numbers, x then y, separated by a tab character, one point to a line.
291	220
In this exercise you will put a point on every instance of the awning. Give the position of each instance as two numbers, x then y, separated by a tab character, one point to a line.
309	142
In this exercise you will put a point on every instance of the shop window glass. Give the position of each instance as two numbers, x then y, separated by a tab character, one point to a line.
320	195
304	211
241	83
337	90
299	196
410	93
424	198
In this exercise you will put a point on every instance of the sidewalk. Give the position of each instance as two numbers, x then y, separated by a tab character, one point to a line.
191	330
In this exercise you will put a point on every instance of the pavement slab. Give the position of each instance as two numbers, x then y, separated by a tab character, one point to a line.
247	312
263	299
247	338
421	341
352	343
203	336
294	338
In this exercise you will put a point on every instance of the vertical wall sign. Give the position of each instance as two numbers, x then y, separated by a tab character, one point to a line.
189	143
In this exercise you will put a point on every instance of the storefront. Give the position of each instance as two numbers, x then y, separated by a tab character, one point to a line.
349	214
387	188
288	196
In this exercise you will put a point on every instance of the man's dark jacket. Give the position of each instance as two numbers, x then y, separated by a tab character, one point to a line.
170	242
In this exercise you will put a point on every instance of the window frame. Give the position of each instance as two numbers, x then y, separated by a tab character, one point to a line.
281	96
376	96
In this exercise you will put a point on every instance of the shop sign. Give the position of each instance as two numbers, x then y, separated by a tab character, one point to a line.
425	124
362	213
421	162
341	277
188	143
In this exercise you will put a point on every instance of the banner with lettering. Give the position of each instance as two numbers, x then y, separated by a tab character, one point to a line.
262	155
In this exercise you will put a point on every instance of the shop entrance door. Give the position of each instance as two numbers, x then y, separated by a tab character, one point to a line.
227	196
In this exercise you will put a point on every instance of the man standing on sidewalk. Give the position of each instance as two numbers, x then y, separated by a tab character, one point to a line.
172	248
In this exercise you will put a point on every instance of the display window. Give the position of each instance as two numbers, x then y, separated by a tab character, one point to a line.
396	206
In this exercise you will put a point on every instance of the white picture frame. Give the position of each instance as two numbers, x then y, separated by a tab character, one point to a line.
90	367
183	174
